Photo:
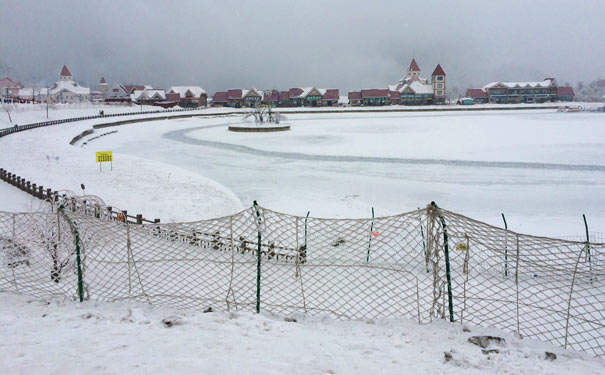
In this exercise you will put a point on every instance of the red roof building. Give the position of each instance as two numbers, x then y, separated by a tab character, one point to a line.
354	98
414	66
65	74
438	71
219	99
375	93
129	89
477	94
565	93
9	87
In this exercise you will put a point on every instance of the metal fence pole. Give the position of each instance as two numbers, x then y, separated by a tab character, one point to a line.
505	248
447	265
588	248
258	258
370	240
79	263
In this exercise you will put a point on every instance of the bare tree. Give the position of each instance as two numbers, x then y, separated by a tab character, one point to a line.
262	114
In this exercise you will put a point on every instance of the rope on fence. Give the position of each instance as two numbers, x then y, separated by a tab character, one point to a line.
318	266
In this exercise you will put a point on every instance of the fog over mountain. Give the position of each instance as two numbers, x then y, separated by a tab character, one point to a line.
281	44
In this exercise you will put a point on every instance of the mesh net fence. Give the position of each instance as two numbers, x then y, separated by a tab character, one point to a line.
386	267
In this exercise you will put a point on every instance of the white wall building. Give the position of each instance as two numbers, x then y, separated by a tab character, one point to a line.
68	91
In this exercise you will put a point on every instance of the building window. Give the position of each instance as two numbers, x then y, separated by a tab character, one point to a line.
440	85
439	78
439	92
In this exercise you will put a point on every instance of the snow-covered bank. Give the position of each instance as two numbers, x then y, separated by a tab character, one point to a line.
65	337
139	185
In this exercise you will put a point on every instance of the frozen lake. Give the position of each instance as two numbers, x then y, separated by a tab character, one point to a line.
541	168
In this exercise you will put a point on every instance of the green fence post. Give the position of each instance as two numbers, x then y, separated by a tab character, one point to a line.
588	247
447	266
370	240
73	226
79	263
505	249
258	258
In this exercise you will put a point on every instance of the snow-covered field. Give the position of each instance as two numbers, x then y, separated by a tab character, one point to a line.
63	337
541	168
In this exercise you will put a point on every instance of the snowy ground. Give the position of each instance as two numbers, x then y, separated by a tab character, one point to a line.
64	337
542	168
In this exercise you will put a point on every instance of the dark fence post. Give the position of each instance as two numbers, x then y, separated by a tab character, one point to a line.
447	265
258	258
505	248
588	247
370	239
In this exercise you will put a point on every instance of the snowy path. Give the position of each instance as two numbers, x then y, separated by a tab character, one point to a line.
181	136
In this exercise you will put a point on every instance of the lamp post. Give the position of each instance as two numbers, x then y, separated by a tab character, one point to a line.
47	97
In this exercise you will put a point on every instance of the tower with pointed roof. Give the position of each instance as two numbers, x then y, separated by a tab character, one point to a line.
438	81
413	69
65	74
103	87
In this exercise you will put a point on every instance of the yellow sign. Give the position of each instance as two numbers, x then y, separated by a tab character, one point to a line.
104	157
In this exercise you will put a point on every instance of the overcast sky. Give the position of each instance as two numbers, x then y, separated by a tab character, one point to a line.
281	44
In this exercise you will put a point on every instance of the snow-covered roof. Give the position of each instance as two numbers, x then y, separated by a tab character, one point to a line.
305	92
9	82
545	83
148	94
182	91
417	86
421	88
70	86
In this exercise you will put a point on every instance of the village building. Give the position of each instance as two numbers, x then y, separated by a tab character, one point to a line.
410	90
271	97
148	96
294	97
188	96
309	97
565	94
478	96
305	97
9	87
518	92
237	98
374	97
67	91
31	94
119	93
103	87
354	98
329	97
219	99
415	90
